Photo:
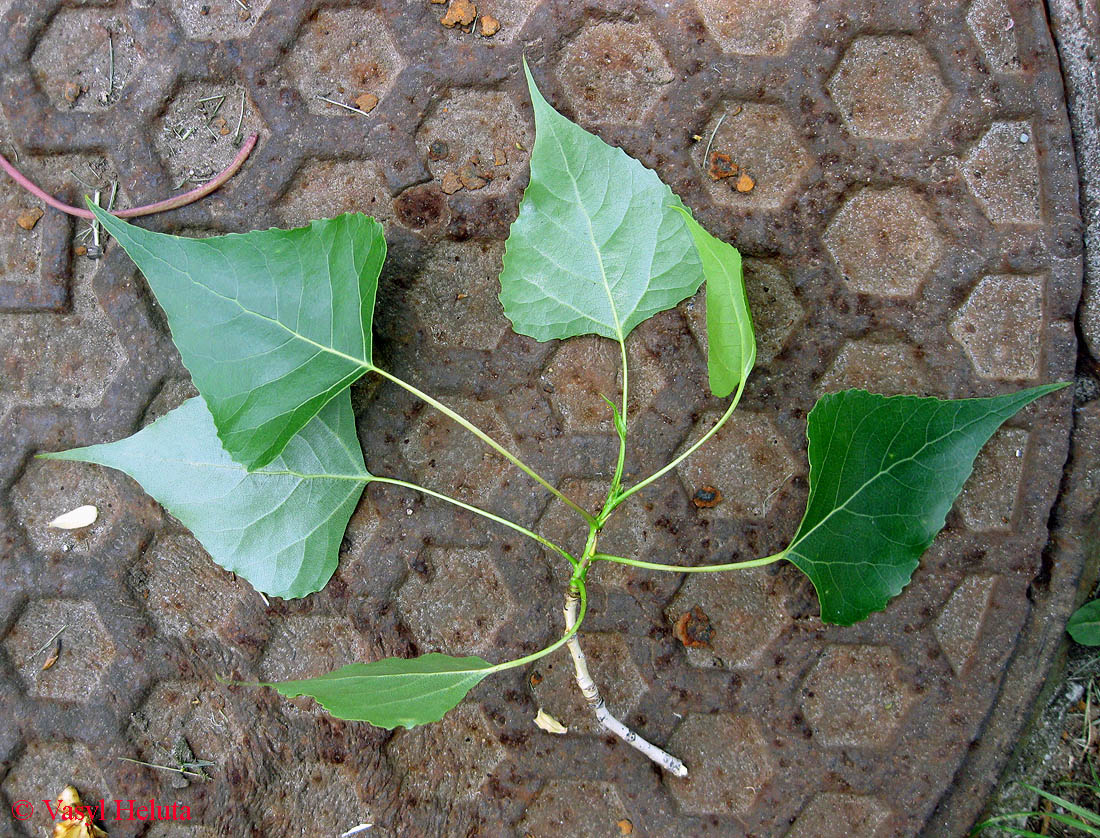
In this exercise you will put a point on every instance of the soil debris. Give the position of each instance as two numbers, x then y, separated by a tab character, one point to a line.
459	13
71	92
694	629
625	826
720	166
366	102
29	217
745	183
707	497
500	157
471	179
489	26
438	150
450	183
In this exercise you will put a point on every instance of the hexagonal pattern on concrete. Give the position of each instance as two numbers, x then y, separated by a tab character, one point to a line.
988	499
776	311
325	188
760	140
886	367
854	697
580	808
756	27
477	141
612	666
189	596
86	650
42	772
72	60
444	454
749	465
833	815
462	604
197	135
196	712
960	622
462	750
305	646
470	317
49	488
884	242
992	25
745	615
585	370
614	71
1000	327
1002	171
730	767
888	87
212	21
343	54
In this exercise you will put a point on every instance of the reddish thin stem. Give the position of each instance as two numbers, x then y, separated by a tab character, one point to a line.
149	209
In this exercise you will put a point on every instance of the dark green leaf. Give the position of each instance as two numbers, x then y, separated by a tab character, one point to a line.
884	472
1084	624
597	247
731	341
280	528
393	691
272	324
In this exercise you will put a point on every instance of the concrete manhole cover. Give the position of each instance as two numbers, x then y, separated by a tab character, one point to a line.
912	225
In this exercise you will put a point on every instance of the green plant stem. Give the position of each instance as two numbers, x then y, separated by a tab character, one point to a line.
582	594
617	480
675	568
702	440
545	542
484	437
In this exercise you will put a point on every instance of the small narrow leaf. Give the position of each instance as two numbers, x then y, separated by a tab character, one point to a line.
597	248
75	519
271	324
884	472
731	340
393	691
1084	624
548	723
280	528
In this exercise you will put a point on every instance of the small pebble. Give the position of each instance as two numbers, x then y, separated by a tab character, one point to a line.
72	91
745	183
489	26
366	102
451	183
459	13
1024	138
29	217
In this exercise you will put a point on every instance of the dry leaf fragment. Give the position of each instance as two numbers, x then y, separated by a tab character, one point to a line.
549	723
489	26
82	516
745	183
459	13
28	218
55	653
74	818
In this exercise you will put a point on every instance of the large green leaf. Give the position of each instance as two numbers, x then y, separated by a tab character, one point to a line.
731	340
271	324
280	527
597	247
884	472
393	691
1084	624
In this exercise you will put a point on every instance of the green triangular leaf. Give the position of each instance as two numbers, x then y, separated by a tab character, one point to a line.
271	324
1084	624
280	528
393	691
884	471
597	248
731	340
